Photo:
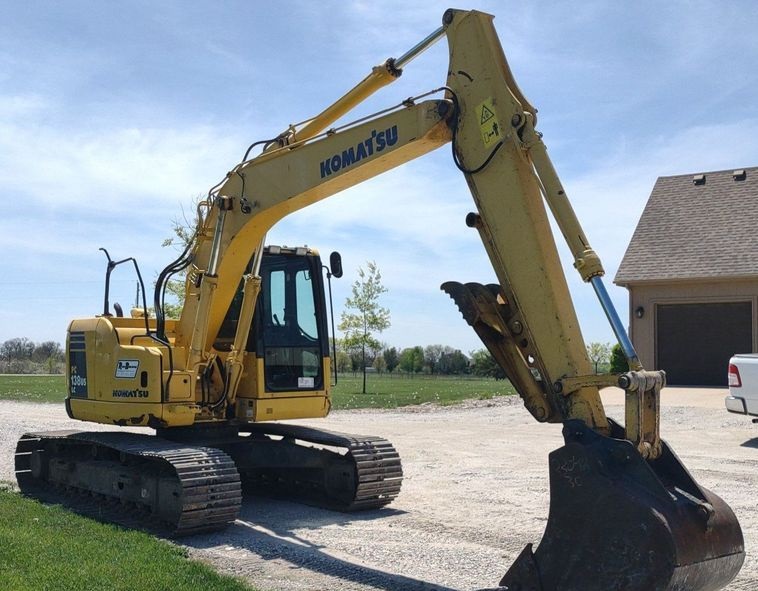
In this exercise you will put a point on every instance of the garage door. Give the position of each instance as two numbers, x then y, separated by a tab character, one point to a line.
695	341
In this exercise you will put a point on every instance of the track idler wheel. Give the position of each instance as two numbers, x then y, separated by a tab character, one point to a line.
620	523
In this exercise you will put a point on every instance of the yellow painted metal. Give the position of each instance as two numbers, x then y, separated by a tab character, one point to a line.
513	219
254	403
181	386
642	411
253	383
103	354
379	77
133	414
571	385
586	260
281	409
198	341
234	361
294	179
131	396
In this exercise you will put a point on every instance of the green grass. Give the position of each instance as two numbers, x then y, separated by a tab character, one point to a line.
33	388
386	391
47	548
382	391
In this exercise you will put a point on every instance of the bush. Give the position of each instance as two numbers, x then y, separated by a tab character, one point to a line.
619	363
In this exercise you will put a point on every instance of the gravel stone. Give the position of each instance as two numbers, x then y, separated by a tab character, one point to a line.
475	493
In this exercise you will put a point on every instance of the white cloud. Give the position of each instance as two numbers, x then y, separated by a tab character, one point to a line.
21	105
97	150
121	168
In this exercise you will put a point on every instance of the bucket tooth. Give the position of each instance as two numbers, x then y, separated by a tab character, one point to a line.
620	523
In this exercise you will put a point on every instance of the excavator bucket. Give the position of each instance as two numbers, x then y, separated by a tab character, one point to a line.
620	523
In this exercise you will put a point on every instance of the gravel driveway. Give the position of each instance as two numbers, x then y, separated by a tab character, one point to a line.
475	493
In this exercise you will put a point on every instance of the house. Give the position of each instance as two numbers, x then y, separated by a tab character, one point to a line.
691	269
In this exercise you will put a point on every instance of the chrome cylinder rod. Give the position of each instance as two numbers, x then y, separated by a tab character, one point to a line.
258	257
419	48
618	328
216	244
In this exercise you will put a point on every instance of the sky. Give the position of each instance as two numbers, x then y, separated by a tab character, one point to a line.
116	116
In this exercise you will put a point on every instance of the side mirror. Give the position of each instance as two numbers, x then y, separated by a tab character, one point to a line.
335	264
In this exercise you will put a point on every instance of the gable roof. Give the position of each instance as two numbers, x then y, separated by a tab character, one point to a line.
696	230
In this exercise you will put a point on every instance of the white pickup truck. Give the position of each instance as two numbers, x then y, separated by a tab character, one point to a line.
743	385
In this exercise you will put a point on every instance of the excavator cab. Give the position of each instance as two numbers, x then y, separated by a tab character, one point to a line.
287	351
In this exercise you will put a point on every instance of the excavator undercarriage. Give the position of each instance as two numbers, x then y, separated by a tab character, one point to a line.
189	481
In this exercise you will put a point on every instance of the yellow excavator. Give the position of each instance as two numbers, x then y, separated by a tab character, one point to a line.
251	348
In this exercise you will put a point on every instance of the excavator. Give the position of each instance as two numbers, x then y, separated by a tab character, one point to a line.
251	349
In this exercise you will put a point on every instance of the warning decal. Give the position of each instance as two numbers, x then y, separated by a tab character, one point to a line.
486	114
488	123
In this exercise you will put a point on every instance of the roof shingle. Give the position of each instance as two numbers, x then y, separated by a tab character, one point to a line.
696	231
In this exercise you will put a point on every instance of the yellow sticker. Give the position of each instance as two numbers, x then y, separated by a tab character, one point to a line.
488	123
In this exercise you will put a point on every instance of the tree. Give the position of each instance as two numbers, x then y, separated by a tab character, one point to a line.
391	359
453	362
363	315
412	359
183	232
47	350
380	365
599	353
483	364
48	355
17	349
21	355
619	363
344	363
432	356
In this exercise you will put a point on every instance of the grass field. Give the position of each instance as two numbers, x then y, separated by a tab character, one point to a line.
382	391
46	547
33	388
385	391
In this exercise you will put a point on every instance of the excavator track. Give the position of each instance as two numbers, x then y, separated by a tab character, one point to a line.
358	473
138	481
337	471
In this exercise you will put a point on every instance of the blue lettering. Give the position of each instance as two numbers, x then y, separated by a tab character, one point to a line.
392	135
360	152
378	141
348	157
